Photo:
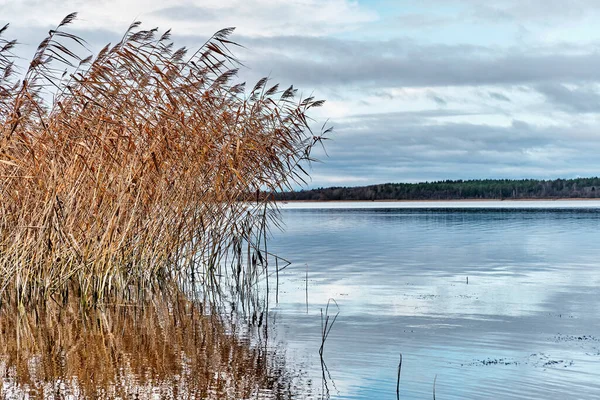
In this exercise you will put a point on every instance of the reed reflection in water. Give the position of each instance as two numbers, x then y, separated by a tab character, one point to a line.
163	349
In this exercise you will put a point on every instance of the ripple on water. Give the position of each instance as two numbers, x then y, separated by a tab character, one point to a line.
400	274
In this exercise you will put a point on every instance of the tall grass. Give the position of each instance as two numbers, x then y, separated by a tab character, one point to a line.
125	171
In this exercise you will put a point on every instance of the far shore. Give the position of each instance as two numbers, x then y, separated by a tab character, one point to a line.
438	201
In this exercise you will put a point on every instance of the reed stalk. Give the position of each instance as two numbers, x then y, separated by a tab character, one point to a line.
131	168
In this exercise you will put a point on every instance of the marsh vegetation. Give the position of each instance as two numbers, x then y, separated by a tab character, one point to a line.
129	189
124	172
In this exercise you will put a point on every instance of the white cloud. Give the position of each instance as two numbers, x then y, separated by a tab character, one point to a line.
252	18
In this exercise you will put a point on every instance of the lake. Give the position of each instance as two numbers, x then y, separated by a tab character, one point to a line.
497	299
492	300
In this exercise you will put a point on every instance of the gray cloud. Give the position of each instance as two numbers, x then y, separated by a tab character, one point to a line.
324	61
438	99
578	99
333	62
409	148
499	96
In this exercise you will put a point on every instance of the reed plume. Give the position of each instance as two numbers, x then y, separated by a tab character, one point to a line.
127	170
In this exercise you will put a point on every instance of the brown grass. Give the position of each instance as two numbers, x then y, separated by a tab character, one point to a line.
125	170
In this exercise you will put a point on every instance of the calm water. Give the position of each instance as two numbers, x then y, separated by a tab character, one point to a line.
525	326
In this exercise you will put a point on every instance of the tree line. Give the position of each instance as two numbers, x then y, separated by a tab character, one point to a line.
456	190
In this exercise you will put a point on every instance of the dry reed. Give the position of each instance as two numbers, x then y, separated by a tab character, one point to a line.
126	171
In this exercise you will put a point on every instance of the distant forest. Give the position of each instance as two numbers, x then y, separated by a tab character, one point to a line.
458	189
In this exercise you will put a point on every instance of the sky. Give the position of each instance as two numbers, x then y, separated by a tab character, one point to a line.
416	90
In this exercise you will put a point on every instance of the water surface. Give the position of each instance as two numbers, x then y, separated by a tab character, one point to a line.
524	326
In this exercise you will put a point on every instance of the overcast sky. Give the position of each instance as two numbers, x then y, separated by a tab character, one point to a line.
416	89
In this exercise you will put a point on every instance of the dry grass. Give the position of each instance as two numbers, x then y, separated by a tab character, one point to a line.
122	172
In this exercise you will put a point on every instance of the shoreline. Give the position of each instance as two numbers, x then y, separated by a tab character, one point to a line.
442	201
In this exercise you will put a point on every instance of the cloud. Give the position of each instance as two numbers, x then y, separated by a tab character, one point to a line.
325	61
412	148
256	18
499	96
318	61
579	99
437	99
189	13
524	11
